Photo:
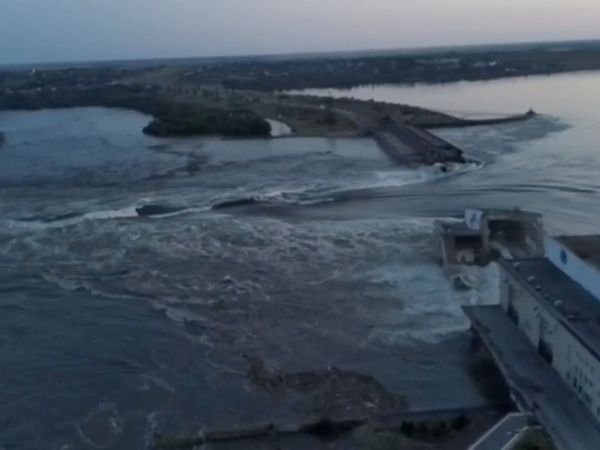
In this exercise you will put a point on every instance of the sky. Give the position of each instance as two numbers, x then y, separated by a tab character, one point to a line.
88	30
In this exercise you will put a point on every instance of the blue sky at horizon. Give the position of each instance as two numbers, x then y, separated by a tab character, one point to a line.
84	30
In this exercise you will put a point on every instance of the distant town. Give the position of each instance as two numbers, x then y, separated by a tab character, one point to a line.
241	97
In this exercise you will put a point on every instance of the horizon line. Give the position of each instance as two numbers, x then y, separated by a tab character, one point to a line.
297	55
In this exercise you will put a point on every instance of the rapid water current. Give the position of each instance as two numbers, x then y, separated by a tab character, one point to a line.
117	322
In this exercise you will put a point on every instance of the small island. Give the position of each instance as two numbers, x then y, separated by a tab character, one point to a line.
187	120
172	118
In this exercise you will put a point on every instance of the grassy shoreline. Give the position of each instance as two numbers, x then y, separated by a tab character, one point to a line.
234	99
171	118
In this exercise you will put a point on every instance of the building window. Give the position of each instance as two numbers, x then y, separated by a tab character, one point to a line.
564	258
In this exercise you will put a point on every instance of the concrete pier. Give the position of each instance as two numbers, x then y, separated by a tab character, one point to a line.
456	122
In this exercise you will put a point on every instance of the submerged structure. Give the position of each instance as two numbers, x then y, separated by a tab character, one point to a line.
412	145
544	334
485	235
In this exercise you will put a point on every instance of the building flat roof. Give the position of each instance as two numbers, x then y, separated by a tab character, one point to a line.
537	386
586	247
575	307
515	212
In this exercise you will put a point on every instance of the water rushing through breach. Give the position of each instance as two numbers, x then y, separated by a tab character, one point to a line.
118	322
548	164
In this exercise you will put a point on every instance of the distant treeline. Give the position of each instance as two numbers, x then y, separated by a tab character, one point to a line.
425	68
170	118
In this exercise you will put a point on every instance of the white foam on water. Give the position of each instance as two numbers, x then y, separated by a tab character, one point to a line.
180	212
400	177
396	257
279	129
429	306
325	190
102	426
404	177
128	212
62	282
122	213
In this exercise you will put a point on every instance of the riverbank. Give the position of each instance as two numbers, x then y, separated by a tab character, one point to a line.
171	118
434	430
344	70
200	110
184	106
398	129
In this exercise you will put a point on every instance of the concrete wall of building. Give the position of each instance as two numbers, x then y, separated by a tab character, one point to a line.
577	269
453	254
527	309
579	368
535	238
576	365
447	251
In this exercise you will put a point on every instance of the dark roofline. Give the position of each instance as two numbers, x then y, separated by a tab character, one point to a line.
507	265
507	211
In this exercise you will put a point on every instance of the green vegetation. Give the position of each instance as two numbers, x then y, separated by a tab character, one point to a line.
190	120
434	430
231	97
172	118
421	434
426	67
387	441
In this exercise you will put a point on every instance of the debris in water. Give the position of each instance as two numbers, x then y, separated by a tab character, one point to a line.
460	283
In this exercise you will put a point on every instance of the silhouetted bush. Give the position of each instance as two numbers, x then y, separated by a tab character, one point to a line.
408	428
460	423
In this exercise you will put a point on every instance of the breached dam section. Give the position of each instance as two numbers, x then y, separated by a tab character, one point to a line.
412	146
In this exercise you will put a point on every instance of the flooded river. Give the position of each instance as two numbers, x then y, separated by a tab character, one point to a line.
547	164
305	254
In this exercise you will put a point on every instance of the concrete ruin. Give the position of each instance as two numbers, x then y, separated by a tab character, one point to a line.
484	235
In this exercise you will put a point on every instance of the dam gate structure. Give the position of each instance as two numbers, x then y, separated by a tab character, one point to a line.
485	235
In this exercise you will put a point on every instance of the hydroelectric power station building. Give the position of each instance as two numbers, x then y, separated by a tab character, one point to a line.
544	334
555	302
